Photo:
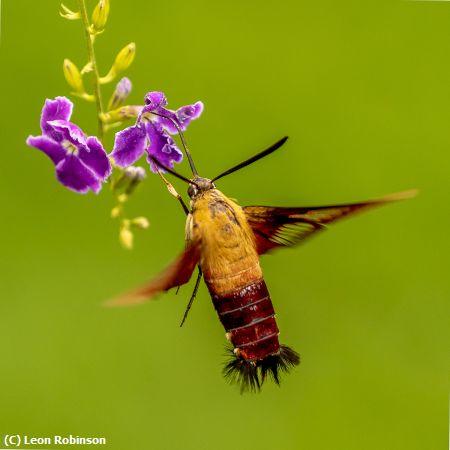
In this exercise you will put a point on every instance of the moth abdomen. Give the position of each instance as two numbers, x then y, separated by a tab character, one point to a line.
248	316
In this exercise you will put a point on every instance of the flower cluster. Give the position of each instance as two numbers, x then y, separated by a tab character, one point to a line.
152	133
82	163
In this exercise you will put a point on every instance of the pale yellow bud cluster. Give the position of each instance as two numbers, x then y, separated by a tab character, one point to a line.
124	182
123	186
126	236
123	60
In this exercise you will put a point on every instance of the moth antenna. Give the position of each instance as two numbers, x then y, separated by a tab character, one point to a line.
183	142
175	174
251	160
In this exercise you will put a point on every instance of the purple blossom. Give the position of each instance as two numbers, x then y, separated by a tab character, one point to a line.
156	102
151	133
81	162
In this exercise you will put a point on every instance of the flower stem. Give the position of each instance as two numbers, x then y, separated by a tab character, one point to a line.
92	60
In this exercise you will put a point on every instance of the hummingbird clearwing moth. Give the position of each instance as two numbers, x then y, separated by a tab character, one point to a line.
225	241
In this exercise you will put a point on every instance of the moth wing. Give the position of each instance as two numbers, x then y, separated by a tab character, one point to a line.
275	227
176	274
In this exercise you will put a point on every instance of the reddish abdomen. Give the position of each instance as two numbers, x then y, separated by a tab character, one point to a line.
248	316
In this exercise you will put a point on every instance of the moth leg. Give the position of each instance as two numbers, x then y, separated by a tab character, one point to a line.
194	293
173	191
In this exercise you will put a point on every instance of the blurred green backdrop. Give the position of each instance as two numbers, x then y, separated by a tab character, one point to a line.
363	91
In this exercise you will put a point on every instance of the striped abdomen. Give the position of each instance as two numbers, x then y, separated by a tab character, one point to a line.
248	316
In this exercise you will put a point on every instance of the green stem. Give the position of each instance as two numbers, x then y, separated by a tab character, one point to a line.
91	55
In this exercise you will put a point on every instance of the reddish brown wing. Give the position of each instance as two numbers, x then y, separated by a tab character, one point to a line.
178	273
283	227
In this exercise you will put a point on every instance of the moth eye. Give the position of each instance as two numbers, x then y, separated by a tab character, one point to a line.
192	190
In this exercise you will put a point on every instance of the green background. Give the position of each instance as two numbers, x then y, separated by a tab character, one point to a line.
363	90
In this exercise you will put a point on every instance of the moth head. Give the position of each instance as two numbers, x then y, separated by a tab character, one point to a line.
199	185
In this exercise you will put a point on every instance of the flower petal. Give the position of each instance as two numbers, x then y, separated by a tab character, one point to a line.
68	131
95	157
51	148
182	116
155	99
58	109
162	147
129	145
73	174
186	114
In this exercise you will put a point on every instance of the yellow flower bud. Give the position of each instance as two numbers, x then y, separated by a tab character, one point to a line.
140	222
122	198
87	68
115	212
126	238
100	16
123	60
121	114
125	57
73	76
68	13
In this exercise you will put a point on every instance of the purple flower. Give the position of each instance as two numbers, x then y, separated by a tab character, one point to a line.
156	102
81	162
152	133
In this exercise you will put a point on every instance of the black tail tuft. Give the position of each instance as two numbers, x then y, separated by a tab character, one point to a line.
250	375
274	364
244	373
